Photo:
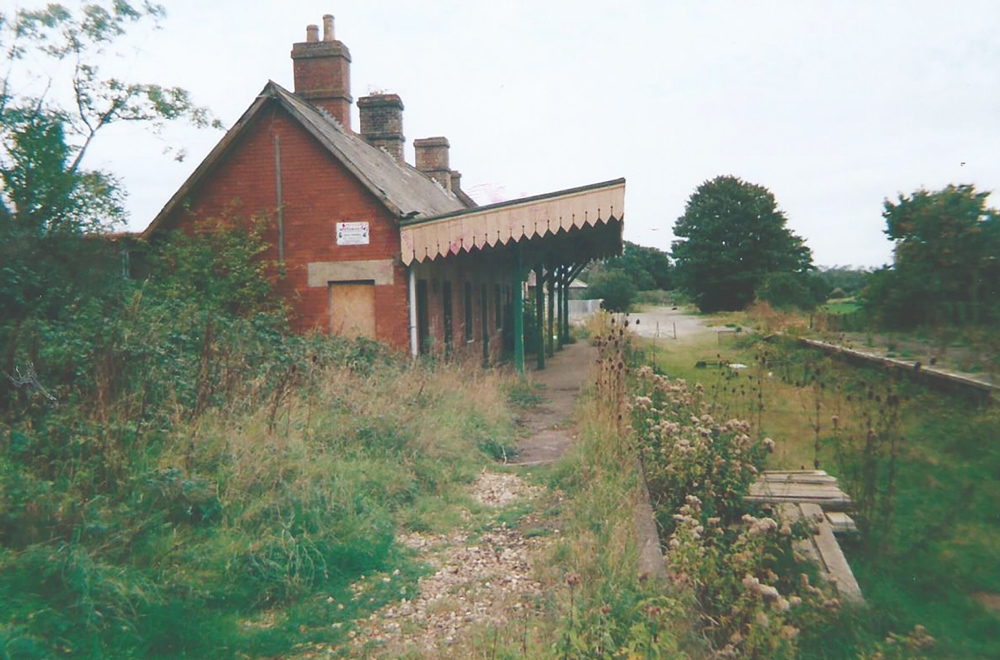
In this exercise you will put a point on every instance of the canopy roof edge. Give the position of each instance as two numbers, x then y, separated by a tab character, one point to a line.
567	215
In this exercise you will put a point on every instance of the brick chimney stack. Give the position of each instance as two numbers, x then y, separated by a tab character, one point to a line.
382	123
432	159
323	72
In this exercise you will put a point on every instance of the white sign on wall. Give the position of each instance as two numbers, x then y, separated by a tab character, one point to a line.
352	233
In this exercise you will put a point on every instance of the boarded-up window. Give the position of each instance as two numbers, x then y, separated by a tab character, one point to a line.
352	309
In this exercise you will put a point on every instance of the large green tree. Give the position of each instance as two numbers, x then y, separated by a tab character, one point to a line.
48	122
945	262
731	236
55	100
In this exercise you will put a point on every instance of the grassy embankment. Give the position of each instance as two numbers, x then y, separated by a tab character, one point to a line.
181	476
925	480
239	533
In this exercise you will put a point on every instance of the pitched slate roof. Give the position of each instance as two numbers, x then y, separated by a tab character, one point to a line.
405	191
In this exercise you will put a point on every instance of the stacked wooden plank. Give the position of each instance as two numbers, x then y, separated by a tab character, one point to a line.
815	496
812	486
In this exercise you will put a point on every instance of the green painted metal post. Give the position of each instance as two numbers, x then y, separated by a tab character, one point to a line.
565	287
566	281
540	315
549	338
518	304
559	306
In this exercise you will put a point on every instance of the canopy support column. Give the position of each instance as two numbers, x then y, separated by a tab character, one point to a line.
560	305
518	303
540	315
412	285
549	335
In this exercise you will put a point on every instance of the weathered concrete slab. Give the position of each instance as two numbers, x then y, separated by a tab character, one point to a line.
812	486
651	562
969	382
841	522
838	571
797	501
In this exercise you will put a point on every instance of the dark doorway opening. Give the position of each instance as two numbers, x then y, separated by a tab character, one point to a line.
423	325
446	307
484	320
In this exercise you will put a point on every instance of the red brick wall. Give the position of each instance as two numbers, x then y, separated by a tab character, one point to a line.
459	270
318	192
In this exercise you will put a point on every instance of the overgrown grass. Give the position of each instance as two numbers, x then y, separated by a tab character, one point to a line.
181	476
844	306
655	297
607	606
931	497
597	604
236	535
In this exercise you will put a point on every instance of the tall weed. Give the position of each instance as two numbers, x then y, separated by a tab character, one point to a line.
179	464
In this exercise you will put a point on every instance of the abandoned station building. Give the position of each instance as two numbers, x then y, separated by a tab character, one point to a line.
372	246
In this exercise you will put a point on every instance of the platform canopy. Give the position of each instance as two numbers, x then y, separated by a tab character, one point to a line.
566	227
555	235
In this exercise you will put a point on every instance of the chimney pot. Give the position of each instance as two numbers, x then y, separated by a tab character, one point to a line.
432	159
322	71
382	123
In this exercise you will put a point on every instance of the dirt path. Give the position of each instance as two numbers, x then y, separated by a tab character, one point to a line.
668	323
486	576
479	578
550	423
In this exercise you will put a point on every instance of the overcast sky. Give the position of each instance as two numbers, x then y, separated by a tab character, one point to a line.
832	105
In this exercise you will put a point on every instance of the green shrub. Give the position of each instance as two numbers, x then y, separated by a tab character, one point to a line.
614	287
655	297
789	290
686	452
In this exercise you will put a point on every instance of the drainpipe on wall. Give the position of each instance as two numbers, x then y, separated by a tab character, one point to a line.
281	199
414	343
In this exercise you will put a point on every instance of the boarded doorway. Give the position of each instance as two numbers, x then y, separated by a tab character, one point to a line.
352	309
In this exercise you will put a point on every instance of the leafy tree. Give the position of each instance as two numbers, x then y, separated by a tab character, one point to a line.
846	278
732	235
945	263
52	208
49	123
647	267
615	287
792	290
